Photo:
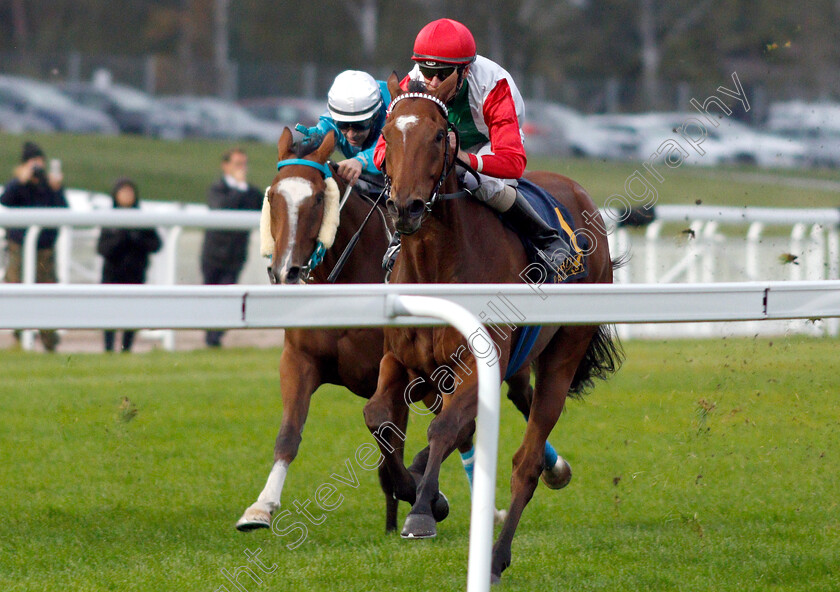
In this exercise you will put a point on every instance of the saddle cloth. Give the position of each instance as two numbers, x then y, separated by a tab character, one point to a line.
573	268
558	217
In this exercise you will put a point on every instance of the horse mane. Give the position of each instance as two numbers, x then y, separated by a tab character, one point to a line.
417	86
301	149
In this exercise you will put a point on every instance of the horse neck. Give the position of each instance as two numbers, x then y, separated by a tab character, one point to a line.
364	266
448	244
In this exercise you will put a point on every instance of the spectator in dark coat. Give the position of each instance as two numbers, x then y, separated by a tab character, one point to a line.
32	187
126	252
224	253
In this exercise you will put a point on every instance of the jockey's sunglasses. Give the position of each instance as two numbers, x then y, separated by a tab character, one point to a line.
442	73
356	126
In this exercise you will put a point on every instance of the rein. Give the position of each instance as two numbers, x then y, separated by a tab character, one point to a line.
351	245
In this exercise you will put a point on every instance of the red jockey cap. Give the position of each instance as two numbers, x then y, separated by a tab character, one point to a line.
444	41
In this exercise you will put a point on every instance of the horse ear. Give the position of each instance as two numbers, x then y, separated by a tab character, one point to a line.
284	144
446	90
326	148
394	86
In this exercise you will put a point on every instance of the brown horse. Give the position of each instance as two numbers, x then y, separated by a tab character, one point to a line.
463	241
301	208
295	204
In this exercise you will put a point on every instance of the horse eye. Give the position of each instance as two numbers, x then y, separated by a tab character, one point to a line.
440	135
319	197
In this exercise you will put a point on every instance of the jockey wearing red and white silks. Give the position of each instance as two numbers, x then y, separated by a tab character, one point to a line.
490	130
486	111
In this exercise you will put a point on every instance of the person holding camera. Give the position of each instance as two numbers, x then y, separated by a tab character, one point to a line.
33	187
126	252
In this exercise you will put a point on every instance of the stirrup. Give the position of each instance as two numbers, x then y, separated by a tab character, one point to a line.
553	259
391	254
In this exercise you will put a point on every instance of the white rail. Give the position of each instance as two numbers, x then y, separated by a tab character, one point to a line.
711	255
44	306
63	306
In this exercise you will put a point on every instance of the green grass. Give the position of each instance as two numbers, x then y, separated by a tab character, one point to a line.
170	171
182	171
701	466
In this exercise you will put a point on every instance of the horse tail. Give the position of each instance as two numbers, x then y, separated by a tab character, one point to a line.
621	260
603	357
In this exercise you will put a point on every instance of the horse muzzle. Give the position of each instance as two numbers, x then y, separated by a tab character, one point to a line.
293	275
407	217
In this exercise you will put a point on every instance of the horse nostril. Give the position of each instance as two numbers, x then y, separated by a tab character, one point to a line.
392	207
272	276
416	207
293	275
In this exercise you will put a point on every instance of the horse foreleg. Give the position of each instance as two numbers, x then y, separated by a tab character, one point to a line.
453	425
386	416
299	377
400	421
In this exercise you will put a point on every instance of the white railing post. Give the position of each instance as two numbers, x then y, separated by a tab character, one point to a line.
797	235
753	240
833	271
28	275
171	269
487	427
63	250
751	260
620	247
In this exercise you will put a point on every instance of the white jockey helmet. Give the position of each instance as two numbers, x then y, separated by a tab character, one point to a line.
354	96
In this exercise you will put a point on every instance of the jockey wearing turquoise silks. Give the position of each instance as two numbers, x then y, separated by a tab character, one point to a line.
356	106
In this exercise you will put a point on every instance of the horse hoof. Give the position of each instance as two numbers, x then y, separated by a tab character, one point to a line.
558	476
495	579
253	519
440	507
419	526
499	516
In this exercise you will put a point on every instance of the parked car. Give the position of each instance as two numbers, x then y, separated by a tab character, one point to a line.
551	128
29	97
214	118
14	122
653	131
801	114
816	125
134	111
730	141
286	110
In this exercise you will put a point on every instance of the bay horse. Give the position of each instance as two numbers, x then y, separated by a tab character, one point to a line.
463	241
301	209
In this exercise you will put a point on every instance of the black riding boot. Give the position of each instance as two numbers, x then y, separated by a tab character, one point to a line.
552	249
391	254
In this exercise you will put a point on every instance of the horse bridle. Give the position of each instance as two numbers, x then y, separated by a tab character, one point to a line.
317	255
448	166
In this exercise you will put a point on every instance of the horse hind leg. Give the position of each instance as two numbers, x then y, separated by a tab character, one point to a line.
299	377
556	369
391	501
557	472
